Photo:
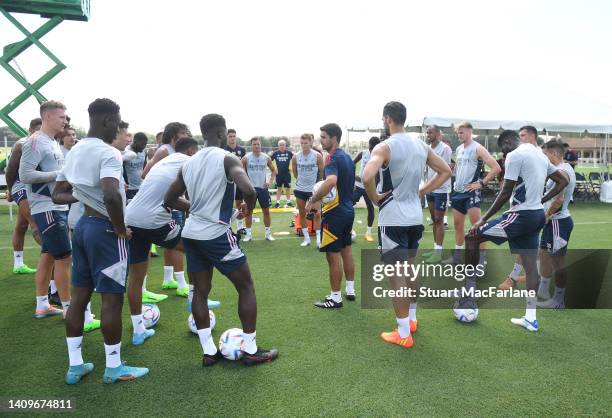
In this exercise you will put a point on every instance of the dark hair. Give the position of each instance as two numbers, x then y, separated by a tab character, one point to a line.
255	138
64	133
140	137
35	122
332	129
435	127
123	125
184	143
396	111
211	122
507	135
566	145
374	141
159	134
530	129
171	130
103	107
231	131
555	145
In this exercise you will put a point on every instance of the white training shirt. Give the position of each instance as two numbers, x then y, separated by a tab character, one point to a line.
467	166
445	152
529	167
145	210
87	163
568	192
365	157
17	184
307	171
256	168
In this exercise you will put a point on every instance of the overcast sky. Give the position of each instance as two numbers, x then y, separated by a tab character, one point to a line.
284	67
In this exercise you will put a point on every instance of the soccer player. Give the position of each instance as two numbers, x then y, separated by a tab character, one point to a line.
210	178
255	163
364	157
67	140
234	148
41	162
437	200
134	160
172	132
527	169
93	176
307	168
556	232
400	217
17	193
465	200
337	218
283	158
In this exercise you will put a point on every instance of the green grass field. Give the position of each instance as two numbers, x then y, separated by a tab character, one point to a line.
331	363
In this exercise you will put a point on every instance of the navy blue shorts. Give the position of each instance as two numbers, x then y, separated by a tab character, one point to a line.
263	197
19	195
398	243
463	202
521	229
302	195
358	193
168	236
556	235
336	232
130	193
223	252
53	228
178	217
283	180
440	201
99	256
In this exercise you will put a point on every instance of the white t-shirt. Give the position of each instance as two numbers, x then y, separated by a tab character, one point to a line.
529	167
145	209
445	152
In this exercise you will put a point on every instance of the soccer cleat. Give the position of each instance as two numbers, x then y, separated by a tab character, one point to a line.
289	204
277	205
328	303
305	244
247	238
510	283
368	237
183	292
393	337
413	325
259	357
212	304
270	238
350	297
434	258
50	311
208	360
150	297
23	270
241	231
139	339
91	325
551	304
123	373
76	373
170	284
54	299
529	325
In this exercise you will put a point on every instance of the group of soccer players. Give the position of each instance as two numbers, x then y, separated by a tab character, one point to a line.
221	183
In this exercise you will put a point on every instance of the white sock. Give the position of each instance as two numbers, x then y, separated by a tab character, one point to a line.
437	248
538	266
559	294
459	247
250	343
318	237
248	232
190	296
239	224
305	234
268	231
144	284
446	219
403	327
412	311
369	230
516	271
336	296
350	287
17	259
544	284
530	312
206	341
42	302
74	350
168	271
180	278
138	324
113	355
88	316
52	286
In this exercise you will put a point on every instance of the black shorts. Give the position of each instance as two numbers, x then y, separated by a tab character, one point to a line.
302	195
263	197
336	232
283	181
398	243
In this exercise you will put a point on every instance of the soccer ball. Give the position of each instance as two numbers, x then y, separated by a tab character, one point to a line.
192	325
327	198
353	235
466	314
150	314
230	344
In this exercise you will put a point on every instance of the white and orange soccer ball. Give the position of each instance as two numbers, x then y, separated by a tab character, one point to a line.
327	198
230	344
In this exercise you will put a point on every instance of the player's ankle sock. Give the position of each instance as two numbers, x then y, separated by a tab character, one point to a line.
437	249
516	271
190	296
144	284
336	296
318	237
52	286
42	302
305	234
250	344
445	220
350	287
206	341
559	294
458	253
248	231
180	278
138	324
113	355
268	231
530	312
412	312
88	315
239	224
74	350
65	306
403	327
168	271
544	284
369	230
17	259
482	257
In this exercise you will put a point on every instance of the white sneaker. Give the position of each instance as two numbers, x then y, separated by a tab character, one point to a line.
305	243
270	238
247	238
531	326
551	304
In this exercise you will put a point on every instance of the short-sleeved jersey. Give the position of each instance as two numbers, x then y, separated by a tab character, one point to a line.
17	184
529	168
256	168
445	152
365	157
238	151
340	164
283	159
568	192
133	167
87	163
307	171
